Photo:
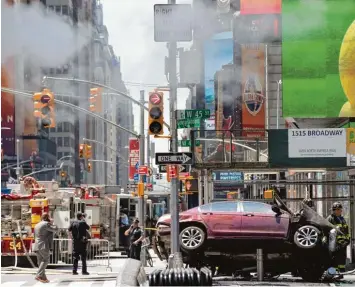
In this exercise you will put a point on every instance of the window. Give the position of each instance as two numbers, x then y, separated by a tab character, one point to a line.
58	9
65	10
66	141
257	207
66	127
60	142
205	208
224	206
59	155
60	127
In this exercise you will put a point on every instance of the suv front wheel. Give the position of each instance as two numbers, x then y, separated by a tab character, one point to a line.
192	238
307	237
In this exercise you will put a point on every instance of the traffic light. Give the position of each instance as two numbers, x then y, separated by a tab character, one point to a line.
140	189
81	150
63	174
88	152
89	167
44	108
156	113
96	100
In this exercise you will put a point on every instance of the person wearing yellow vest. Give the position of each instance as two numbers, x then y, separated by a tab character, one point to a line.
343	237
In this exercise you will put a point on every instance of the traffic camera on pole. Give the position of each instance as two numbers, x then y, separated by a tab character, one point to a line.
81	150
156	113
44	108
96	100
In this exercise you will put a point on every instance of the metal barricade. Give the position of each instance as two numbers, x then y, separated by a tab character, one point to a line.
98	253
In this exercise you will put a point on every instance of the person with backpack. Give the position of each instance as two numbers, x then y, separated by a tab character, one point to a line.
79	233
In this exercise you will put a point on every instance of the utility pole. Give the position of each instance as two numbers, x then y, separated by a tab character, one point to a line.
175	244
141	162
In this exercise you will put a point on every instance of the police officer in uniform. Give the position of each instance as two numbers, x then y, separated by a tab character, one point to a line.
342	239
79	229
135	234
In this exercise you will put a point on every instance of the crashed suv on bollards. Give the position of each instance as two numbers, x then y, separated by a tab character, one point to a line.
225	236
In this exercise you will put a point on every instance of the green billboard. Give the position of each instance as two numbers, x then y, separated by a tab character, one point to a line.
318	58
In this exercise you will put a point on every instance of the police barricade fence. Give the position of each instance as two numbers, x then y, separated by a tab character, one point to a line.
98	253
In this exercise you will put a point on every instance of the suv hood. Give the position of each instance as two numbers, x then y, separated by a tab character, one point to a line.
313	217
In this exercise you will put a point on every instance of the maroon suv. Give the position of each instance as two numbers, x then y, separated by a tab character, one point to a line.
233	230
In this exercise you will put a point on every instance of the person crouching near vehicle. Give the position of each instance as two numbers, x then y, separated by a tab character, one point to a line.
135	234
44	233
342	238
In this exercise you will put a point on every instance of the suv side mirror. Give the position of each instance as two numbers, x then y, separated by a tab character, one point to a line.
276	209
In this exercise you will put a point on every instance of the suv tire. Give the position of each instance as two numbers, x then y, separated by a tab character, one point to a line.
307	237
192	238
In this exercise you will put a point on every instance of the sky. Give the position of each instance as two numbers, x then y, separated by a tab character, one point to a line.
131	33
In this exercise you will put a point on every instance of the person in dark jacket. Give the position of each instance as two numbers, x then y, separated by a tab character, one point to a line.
135	234
343	237
79	229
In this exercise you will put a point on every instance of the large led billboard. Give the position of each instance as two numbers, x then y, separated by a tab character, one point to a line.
218	52
318	58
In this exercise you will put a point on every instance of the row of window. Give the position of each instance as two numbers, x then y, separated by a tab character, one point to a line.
233	207
65	141
62	10
63	127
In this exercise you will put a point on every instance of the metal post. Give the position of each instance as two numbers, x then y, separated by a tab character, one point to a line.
278	104
266	88
260	264
148	155
175	244
141	162
77	171
18	158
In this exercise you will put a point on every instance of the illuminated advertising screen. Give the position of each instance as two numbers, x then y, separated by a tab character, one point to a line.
318	58
218	52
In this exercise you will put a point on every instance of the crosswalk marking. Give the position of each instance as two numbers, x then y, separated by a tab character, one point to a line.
81	283
40	284
10	284
109	284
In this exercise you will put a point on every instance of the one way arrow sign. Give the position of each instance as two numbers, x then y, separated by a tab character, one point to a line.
174	158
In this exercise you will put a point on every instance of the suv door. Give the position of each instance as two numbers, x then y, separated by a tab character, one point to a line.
223	219
259	220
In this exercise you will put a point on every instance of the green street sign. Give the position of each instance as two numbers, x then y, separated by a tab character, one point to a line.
186	124
192	114
187	143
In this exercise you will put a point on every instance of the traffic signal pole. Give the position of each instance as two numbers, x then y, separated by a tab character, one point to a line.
117	92
28	95
141	163
174	201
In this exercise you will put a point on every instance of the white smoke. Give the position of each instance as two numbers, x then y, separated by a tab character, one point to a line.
41	35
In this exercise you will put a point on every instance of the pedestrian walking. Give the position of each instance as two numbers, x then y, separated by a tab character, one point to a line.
342	238
79	234
44	232
135	234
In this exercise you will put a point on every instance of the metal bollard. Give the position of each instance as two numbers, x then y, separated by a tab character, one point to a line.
260	264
